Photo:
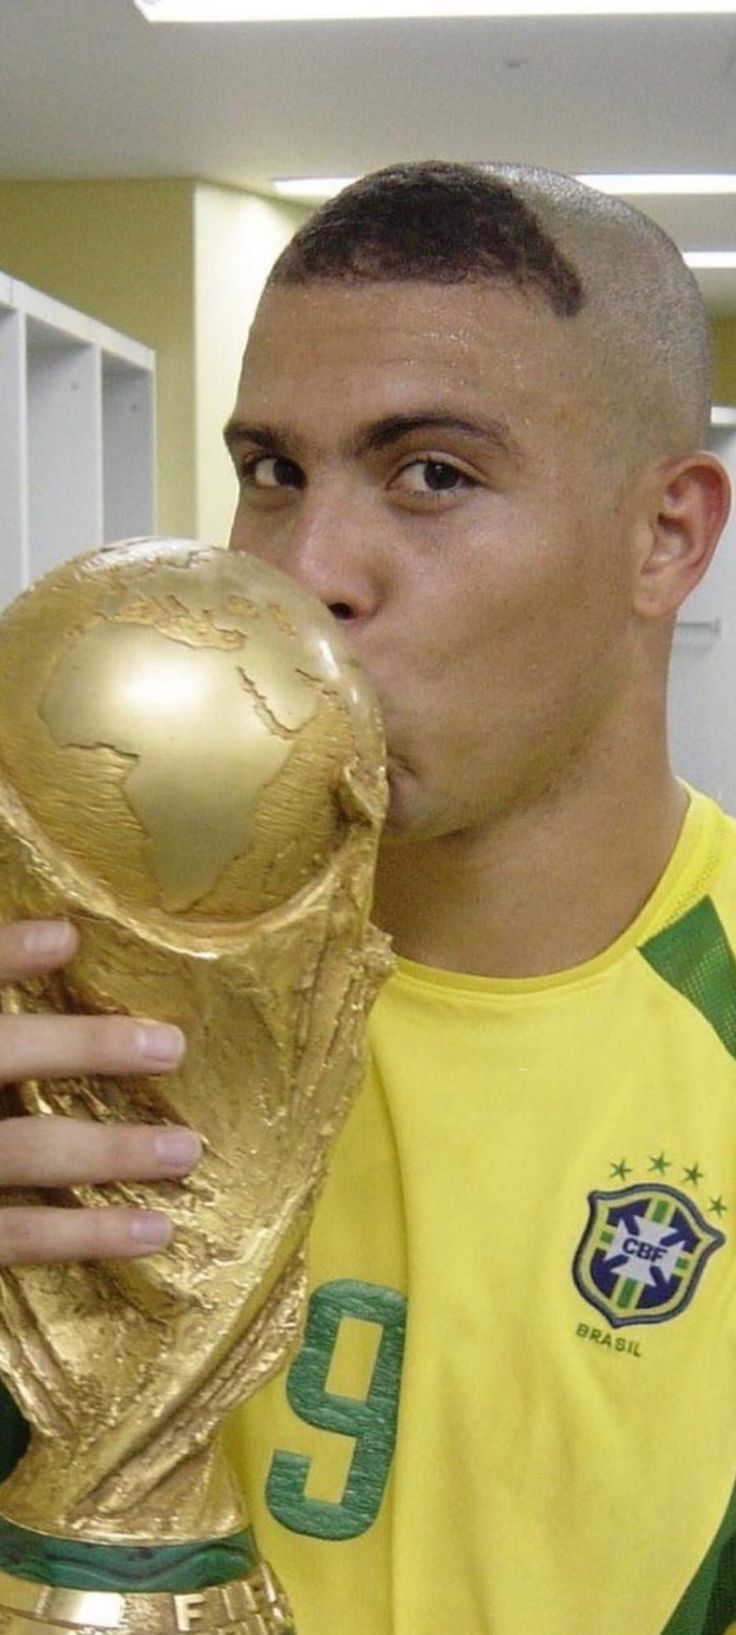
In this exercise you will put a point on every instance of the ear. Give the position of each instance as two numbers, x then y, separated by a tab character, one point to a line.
687	503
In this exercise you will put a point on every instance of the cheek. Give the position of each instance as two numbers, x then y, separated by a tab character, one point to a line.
237	540
495	598
257	533
525	645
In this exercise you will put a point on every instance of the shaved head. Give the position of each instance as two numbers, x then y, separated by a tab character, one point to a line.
643	330
634	316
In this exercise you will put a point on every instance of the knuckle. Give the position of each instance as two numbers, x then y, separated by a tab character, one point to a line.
95	1233
88	1044
91	1032
108	1040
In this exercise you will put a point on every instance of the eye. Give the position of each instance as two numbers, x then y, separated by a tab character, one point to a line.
270	471
432	477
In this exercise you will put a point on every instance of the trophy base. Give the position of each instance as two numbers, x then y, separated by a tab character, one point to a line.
246	1606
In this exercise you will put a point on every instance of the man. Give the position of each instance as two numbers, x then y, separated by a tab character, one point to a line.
470	420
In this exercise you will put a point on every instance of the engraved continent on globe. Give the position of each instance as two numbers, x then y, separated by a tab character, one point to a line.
211	731
194	826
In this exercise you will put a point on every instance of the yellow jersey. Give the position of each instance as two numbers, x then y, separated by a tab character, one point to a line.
514	1410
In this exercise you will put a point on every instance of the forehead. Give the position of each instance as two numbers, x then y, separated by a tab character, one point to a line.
381	346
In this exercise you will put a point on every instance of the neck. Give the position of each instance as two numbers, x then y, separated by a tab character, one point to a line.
542	887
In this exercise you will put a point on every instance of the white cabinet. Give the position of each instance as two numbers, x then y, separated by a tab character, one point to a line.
702	693
76	435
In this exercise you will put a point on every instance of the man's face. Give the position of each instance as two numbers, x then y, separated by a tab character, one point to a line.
420	457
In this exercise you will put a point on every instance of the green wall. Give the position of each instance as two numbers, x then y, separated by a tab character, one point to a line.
724	346
123	252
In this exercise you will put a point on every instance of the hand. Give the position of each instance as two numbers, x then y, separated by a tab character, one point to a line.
49	1152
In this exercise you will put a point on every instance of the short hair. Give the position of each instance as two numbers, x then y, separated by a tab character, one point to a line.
635	310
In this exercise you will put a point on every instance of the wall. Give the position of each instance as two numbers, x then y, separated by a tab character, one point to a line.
237	239
724	346
123	252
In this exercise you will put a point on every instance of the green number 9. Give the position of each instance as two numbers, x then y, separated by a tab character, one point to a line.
372	1422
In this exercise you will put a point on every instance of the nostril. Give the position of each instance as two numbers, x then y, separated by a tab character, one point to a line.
341	610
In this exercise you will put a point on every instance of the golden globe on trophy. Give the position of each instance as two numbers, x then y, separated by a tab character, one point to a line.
191	770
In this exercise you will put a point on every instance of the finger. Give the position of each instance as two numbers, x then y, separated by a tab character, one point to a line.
28	947
53	1152
34	1236
49	1046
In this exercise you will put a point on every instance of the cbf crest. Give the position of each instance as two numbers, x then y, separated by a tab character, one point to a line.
642	1253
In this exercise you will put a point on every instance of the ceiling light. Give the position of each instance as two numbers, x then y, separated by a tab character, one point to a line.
659	184
645	183
311	187
710	260
303	11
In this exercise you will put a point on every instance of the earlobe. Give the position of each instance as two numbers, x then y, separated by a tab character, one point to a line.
688	506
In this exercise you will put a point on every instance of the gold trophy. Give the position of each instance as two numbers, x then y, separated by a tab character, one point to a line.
191	769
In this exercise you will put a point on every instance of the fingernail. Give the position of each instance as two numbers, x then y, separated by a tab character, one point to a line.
47	937
159	1044
149	1230
177	1148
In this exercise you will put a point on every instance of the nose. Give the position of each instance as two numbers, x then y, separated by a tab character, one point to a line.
326	545
331	554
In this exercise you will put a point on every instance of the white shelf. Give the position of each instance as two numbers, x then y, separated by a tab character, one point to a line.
76	435
14	557
127	445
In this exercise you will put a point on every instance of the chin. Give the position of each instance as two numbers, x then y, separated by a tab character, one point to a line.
410	816
401	788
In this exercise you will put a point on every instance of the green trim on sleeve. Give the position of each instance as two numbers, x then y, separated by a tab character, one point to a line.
695	957
708	1606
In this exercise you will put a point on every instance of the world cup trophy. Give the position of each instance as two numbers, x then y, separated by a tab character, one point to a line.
191	770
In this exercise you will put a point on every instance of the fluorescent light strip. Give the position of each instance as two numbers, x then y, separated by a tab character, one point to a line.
653	185
311	187
659	185
312	11
710	260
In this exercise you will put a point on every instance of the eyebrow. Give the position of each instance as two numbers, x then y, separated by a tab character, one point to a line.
382	434
239	431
